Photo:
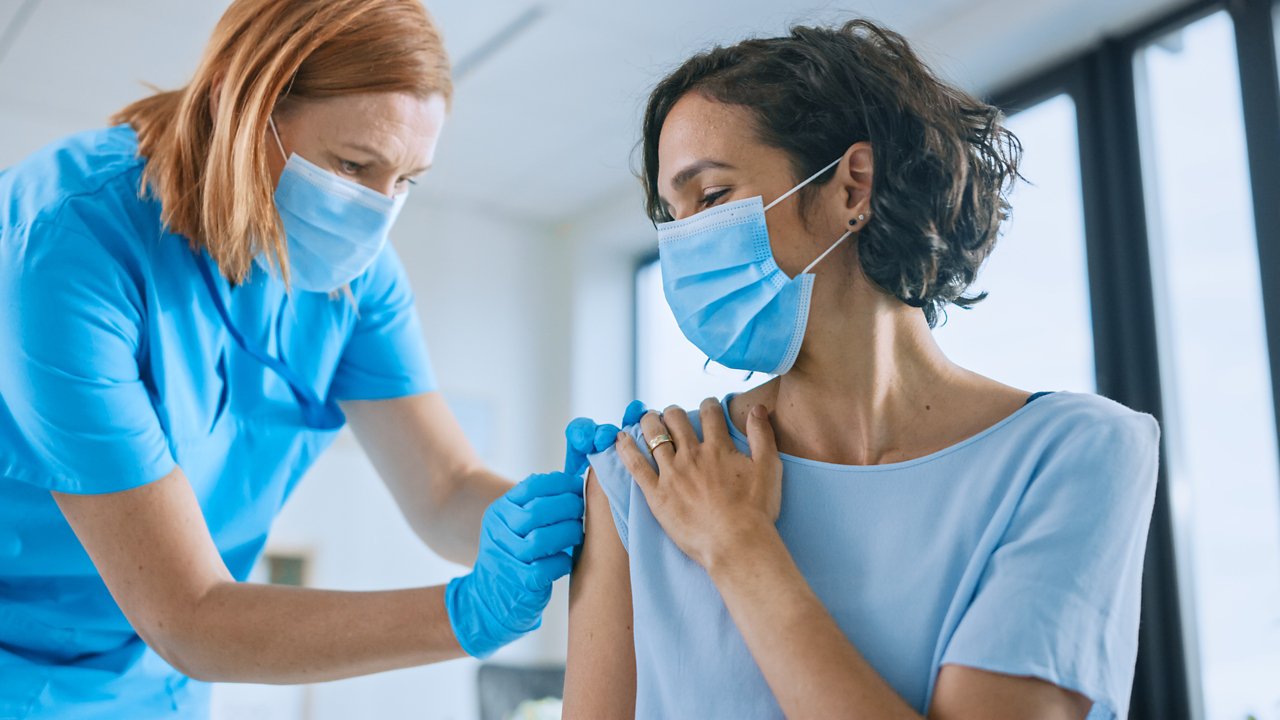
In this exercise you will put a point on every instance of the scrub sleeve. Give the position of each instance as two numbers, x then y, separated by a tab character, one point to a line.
70	324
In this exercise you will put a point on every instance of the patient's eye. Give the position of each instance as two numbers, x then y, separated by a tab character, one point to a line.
710	198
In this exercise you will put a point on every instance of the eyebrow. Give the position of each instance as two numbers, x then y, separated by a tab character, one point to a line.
685	176
369	150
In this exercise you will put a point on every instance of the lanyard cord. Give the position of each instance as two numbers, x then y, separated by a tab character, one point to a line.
316	413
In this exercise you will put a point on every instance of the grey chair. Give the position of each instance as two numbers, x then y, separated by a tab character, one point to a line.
503	687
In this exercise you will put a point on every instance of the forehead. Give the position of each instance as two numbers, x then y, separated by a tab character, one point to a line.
699	125
404	121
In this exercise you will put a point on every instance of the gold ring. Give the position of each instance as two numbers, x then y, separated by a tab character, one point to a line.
660	440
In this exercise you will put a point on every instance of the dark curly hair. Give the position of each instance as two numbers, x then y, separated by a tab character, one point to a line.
944	164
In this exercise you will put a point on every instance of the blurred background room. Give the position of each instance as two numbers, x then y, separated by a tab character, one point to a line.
1142	262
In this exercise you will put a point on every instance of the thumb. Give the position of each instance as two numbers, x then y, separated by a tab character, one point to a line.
760	438
635	410
579	437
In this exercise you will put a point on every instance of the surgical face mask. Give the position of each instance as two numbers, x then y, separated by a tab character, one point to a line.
334	228
728	294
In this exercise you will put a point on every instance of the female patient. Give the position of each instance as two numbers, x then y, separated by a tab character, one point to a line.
875	532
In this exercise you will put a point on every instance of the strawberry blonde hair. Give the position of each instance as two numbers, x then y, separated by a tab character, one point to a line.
209	172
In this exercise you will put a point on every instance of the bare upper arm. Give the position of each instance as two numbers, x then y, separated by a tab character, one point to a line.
600	680
152	547
963	692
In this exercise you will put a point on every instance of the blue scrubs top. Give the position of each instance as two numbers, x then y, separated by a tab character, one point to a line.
115	368
1018	551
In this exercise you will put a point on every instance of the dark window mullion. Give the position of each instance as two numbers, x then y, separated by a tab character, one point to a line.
1260	95
1126	345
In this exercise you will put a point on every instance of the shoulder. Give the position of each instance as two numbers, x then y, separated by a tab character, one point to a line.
1068	414
74	203
385	282
637	434
1093	447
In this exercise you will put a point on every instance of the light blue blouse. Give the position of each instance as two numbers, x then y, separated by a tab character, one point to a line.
115	368
1018	550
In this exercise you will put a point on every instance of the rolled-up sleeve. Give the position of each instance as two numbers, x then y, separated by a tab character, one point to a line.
1060	596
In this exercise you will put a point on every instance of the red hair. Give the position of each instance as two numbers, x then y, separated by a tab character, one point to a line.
210	173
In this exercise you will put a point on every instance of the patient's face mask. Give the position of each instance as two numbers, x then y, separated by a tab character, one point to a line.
334	228
728	294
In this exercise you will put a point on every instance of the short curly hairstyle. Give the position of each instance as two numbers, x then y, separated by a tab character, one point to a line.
944	163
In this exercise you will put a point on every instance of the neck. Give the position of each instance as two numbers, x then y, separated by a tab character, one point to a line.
866	384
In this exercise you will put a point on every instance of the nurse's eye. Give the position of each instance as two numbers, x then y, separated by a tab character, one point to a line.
350	168
710	198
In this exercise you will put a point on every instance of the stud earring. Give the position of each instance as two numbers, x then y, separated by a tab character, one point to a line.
857	220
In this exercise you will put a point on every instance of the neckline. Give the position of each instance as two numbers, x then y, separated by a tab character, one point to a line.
1007	420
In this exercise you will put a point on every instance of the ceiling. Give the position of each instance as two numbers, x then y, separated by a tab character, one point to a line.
550	92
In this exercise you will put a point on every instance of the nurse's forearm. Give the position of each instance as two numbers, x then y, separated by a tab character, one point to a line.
454	530
243	632
809	664
436	477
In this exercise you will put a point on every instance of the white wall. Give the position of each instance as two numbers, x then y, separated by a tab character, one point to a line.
605	246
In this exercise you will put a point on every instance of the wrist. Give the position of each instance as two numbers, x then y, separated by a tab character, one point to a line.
479	629
738	545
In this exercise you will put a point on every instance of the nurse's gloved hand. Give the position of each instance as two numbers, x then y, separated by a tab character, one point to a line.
584	437
524	539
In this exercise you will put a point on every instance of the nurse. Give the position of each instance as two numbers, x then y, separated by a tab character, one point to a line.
192	303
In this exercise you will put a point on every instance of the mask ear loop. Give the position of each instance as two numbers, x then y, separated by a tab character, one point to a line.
810	179
782	197
271	123
826	252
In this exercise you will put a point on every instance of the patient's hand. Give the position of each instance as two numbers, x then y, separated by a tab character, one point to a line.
708	497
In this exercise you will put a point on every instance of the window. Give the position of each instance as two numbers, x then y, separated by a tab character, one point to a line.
1033	330
1219	428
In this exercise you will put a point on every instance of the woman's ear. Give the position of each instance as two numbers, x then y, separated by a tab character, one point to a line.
215	95
855	173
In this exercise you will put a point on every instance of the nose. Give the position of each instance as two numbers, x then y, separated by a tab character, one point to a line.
383	186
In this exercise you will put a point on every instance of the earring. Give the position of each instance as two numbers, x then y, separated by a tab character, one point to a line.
857	220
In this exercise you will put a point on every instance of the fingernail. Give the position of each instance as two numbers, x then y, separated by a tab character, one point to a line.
759	411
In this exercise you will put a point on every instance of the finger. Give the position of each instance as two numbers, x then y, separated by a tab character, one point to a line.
636	462
635	410
760	438
578	437
714	429
653	428
506	539
544	511
544	484
606	436
678	427
546	541
549	569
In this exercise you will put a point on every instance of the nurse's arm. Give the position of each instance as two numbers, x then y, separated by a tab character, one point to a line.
437	479
153	549
600	677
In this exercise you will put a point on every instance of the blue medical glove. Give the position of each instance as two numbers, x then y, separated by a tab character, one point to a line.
585	437
524	537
